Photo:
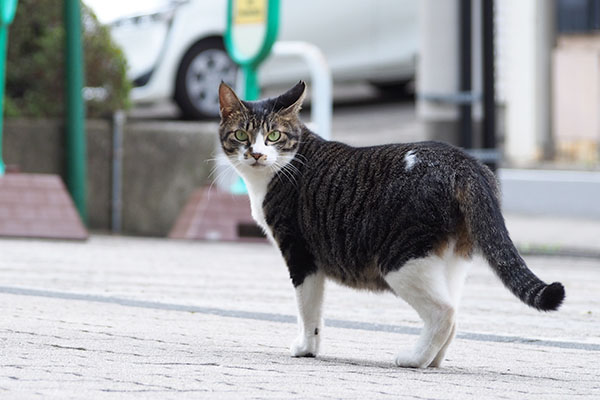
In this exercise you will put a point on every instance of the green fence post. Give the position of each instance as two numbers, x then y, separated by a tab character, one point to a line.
7	14
75	111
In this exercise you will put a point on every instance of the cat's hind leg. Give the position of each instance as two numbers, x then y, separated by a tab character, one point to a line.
422	284
456	273
441	355
309	298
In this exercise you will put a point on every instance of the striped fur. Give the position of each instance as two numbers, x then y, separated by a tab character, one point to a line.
358	215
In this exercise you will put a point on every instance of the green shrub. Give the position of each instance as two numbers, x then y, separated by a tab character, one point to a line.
35	75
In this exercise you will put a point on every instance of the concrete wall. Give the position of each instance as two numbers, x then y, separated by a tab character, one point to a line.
163	162
550	192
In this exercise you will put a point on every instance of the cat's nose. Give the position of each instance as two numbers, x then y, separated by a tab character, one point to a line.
256	156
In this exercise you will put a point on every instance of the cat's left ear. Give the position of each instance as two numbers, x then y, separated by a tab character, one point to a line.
291	101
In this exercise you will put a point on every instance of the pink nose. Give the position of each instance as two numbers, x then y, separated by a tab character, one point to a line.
256	156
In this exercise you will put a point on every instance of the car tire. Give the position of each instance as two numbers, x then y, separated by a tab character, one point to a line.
202	68
397	90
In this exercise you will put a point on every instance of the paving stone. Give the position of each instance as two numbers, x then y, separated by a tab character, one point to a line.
111	319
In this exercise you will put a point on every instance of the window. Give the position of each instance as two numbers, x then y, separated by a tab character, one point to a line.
578	16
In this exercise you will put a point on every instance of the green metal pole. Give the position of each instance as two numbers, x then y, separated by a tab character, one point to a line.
75	111
3	42
7	14
251	87
251	93
249	63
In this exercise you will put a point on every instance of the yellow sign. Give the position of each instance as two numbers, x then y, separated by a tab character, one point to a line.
250	12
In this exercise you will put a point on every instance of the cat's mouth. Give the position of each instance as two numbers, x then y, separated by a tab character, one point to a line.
258	164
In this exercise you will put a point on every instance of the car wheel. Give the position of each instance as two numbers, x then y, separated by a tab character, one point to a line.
396	90
203	67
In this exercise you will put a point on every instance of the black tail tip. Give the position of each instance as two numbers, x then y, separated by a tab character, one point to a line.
551	297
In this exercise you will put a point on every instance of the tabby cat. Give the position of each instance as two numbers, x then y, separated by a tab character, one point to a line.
403	218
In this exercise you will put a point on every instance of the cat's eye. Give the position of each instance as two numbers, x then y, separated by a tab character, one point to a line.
274	136
241	135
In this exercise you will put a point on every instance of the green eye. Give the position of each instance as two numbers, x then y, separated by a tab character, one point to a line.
274	136
241	135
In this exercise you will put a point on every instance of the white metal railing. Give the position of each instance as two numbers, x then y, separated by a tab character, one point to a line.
321	82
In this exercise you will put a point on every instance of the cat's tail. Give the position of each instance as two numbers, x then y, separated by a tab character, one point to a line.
477	195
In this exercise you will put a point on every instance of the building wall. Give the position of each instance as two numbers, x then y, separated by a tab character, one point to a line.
576	84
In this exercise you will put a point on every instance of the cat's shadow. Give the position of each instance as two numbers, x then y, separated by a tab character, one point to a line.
356	362
387	365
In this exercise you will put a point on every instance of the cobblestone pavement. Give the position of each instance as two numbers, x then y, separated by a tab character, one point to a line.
151	318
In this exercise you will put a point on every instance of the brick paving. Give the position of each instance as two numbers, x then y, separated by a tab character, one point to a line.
148	318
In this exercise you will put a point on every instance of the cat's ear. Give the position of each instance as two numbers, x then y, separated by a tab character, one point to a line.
291	101
228	101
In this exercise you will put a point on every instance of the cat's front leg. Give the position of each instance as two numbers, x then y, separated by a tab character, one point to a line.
309	298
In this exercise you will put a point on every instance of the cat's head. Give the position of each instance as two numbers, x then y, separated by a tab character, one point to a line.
260	135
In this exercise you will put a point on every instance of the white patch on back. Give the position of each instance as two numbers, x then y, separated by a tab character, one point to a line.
410	159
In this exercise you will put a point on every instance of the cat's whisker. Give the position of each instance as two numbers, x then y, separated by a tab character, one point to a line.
300	156
293	168
275	168
290	173
279	172
220	176
298	161
219	161
217	167
292	177
285	172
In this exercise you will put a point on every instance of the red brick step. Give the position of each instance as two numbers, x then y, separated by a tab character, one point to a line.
214	214
38	206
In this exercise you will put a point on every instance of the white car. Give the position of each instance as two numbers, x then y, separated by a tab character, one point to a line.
177	52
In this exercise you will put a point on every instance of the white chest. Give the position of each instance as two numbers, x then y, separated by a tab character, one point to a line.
257	190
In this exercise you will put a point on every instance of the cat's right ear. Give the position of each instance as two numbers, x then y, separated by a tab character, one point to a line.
229	103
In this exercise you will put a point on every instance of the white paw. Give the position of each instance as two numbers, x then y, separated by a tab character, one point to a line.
407	359
437	361
305	346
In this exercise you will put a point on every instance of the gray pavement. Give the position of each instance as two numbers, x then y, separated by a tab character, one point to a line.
121	317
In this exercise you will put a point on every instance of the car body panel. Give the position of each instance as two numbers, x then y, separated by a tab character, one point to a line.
361	40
